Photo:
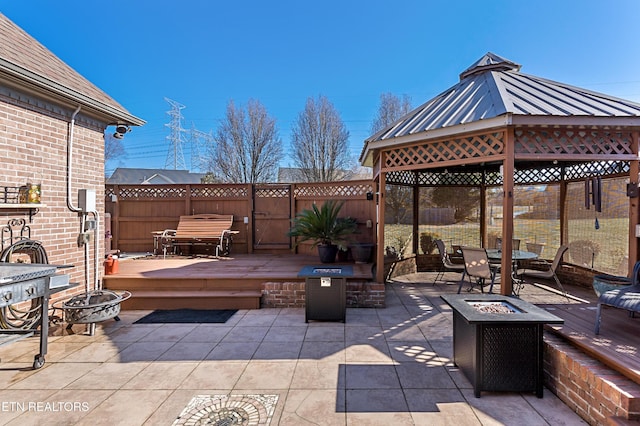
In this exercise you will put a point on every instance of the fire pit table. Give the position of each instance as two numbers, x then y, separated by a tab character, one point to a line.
325	292
497	342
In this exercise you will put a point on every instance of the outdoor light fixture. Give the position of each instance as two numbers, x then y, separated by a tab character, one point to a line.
121	129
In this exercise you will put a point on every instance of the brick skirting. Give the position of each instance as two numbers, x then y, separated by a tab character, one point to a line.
591	389
360	294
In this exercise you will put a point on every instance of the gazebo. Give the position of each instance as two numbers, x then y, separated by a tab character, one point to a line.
501	128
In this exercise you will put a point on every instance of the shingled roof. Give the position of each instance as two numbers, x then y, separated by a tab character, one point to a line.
27	64
493	92
133	176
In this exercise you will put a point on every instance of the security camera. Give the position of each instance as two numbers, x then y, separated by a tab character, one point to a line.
120	131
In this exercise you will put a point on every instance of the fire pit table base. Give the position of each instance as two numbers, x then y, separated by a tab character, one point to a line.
499	351
325	292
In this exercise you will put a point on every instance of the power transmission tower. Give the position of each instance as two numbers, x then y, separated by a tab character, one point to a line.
175	157
200	143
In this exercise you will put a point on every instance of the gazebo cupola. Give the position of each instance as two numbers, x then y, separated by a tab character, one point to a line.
490	62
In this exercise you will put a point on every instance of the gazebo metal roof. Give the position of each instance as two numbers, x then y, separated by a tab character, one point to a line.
493	92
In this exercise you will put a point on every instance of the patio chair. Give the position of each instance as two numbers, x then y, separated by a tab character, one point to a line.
478	268
535	248
545	270
515	244
627	298
166	242
446	265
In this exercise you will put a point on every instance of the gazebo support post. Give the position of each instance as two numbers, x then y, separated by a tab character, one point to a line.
508	171
564	229
416	214
634	203
381	200
483	214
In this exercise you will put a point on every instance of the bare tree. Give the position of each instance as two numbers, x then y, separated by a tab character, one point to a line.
113	147
399	199
319	140
247	147
391	109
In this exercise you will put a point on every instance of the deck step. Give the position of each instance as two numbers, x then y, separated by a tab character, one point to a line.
185	299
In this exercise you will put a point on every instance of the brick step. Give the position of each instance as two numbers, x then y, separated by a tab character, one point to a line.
594	391
619	421
218	299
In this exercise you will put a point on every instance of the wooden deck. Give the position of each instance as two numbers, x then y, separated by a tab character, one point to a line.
617	345
233	282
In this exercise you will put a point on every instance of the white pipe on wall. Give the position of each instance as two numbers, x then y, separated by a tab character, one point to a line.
69	160
76	209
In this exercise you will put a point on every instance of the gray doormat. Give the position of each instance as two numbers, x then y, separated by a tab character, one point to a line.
187	316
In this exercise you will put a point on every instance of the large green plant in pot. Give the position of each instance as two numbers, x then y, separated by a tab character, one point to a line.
323	226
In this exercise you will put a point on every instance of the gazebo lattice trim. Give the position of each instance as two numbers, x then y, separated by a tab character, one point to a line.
575	153
571	142
530	176
433	152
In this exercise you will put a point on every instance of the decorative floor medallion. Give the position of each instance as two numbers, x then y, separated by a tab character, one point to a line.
228	410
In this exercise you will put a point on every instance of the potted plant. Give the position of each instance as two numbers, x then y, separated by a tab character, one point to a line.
361	252
428	242
323	226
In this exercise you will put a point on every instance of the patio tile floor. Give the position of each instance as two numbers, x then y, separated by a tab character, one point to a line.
382	366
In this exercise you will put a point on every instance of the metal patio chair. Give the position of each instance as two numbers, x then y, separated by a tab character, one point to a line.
166	242
478	268
545	270
515	244
446	265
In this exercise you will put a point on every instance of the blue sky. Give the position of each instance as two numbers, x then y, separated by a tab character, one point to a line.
204	53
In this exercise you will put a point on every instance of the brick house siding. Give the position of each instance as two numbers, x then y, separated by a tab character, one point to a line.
33	146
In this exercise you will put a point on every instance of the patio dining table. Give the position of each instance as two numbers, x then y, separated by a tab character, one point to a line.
516	256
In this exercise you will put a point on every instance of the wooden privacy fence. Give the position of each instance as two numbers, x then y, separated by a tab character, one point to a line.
262	213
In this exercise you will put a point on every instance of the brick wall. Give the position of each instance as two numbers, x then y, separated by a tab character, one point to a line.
591	389
395	268
576	275
360	294
33	148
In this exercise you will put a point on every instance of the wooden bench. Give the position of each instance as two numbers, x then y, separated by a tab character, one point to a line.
204	229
